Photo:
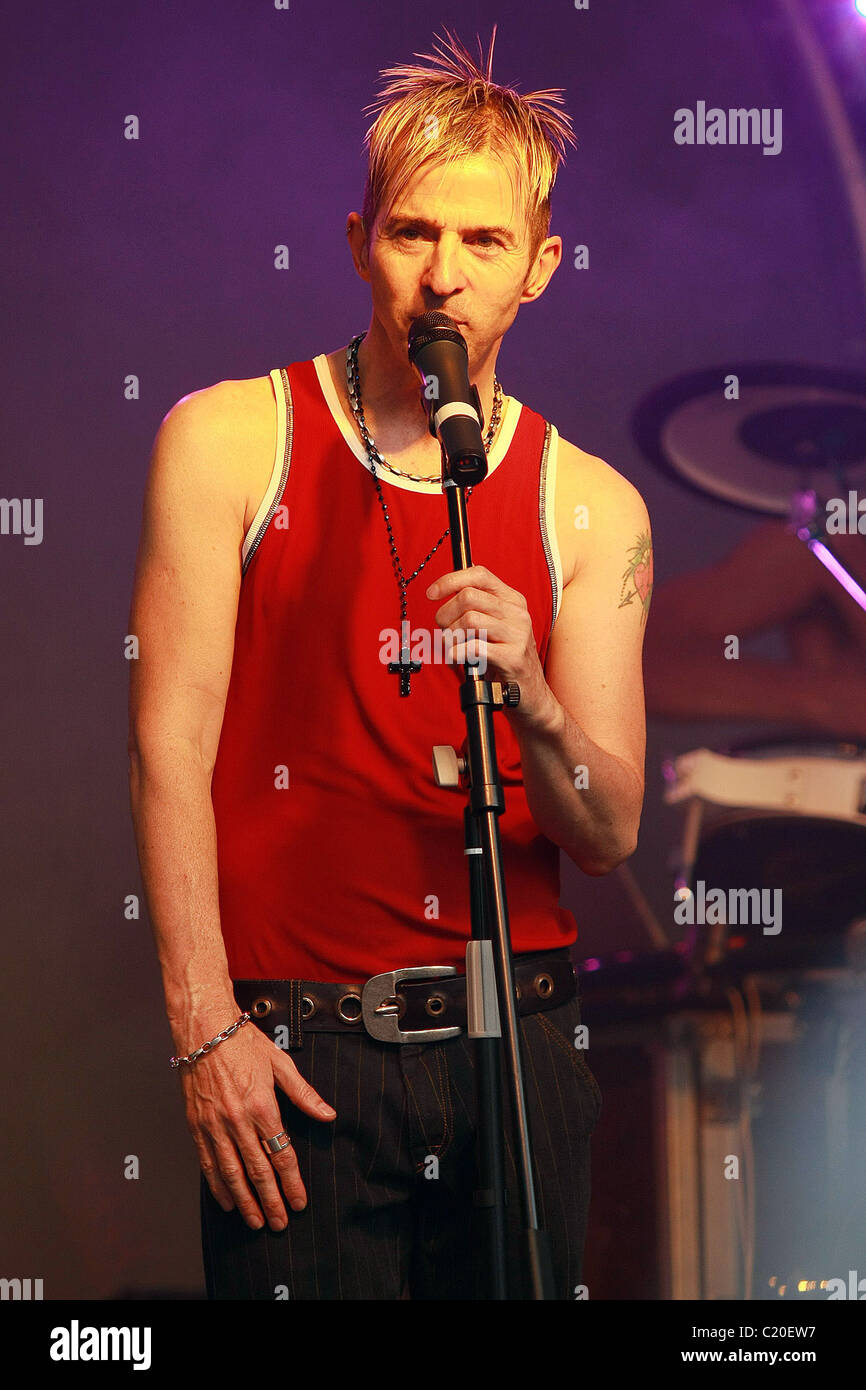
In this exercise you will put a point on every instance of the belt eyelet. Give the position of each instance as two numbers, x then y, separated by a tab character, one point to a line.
260	1008
436	1005
308	1006
543	986
341	1013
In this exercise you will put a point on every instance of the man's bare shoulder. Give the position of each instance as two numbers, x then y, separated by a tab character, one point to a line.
226	432
238	407
579	471
594	503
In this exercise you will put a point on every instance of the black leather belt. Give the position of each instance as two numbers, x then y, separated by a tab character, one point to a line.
425	1003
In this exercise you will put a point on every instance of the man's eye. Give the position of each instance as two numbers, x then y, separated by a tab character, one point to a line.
484	240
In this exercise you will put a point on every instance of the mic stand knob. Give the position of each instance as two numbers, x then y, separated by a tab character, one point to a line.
506	693
447	767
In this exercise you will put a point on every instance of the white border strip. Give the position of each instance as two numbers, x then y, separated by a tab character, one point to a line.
508	424
550	515
277	470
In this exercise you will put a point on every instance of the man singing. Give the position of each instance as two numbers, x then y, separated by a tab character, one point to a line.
292	837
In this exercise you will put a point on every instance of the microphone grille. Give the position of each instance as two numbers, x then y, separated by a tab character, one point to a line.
434	318
431	326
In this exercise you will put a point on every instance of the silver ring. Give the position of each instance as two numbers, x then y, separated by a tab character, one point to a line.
274	1146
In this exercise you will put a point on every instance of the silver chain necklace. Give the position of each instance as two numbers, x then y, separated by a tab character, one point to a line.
405	667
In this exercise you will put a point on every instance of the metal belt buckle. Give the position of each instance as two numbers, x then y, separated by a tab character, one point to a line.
379	1006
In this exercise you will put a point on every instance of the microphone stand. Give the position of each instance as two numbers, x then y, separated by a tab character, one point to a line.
490	988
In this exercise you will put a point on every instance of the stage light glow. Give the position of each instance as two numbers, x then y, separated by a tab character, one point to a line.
860	6
828	559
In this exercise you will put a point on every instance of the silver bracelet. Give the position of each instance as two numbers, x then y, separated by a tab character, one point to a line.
206	1047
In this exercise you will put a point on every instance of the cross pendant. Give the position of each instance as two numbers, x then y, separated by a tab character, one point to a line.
405	667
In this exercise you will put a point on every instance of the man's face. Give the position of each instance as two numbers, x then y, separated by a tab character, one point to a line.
456	240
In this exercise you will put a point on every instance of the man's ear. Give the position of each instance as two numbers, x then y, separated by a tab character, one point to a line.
544	264
356	234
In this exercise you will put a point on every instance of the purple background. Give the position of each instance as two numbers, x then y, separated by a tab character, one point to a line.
155	257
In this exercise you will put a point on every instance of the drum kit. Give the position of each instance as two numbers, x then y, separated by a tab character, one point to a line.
743	1045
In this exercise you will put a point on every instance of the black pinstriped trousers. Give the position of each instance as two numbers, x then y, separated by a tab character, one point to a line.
376	1226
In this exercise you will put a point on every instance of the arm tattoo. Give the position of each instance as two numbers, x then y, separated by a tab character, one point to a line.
638	578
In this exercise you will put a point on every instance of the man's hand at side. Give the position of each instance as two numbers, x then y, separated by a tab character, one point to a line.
231	1107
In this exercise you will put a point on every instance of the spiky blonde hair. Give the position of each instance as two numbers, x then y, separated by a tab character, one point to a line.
452	108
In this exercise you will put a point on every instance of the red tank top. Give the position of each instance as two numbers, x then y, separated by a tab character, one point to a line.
339	857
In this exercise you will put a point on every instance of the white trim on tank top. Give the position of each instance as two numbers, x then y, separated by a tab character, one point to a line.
277	470
506	434
507	426
550	515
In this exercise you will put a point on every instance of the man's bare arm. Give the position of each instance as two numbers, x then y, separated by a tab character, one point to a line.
580	722
583	762
183	613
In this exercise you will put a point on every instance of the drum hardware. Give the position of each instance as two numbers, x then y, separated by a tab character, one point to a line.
787	819
728	1144
793	428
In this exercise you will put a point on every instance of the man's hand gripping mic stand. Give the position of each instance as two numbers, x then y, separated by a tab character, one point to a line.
491	998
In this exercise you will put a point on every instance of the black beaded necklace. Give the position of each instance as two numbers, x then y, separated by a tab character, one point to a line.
405	667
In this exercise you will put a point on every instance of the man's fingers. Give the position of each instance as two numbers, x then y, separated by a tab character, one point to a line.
477	575
474	651
266	1168
209	1168
285	1165
234	1176
470	608
300	1092
234	1171
261	1173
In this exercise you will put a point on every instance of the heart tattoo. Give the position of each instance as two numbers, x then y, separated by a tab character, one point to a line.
638	578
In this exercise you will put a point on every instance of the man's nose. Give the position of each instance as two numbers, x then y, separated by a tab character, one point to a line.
444	273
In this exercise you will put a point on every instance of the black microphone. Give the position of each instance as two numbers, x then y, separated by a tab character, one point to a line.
437	351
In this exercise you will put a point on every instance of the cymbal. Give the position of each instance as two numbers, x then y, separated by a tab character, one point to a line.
788	426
